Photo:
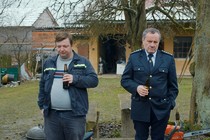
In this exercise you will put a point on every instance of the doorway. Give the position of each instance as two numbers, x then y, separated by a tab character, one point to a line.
112	52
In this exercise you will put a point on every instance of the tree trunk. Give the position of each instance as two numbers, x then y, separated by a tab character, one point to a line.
201	80
135	22
193	110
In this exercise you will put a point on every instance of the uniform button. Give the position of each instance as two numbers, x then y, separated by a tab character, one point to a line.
150	98
150	87
150	76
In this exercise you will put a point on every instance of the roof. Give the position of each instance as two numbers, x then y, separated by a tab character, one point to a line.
45	19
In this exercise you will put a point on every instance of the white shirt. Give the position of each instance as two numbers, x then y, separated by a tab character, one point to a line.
153	58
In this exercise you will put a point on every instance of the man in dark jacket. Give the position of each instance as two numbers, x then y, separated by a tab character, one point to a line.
65	110
150	76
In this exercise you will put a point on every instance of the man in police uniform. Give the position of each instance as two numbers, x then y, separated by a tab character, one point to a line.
150	76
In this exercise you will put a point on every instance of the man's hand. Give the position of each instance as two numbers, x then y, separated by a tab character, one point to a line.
68	77
142	90
42	111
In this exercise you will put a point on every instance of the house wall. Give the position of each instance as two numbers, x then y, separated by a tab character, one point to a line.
168	47
94	52
93	44
46	39
15	42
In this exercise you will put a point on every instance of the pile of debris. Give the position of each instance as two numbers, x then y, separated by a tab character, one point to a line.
109	129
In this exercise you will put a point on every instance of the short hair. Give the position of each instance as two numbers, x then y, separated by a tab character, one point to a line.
150	30
63	35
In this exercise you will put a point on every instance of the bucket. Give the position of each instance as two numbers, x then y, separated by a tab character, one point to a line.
7	78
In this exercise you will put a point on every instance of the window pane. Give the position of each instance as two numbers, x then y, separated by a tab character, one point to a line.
182	46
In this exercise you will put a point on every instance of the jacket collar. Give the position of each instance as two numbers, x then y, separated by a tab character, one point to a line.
75	57
144	61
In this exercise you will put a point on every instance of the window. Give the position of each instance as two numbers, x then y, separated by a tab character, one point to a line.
182	46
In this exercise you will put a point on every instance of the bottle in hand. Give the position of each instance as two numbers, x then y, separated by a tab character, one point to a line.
66	83
147	86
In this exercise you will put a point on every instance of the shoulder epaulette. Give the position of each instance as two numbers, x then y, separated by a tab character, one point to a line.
166	52
136	51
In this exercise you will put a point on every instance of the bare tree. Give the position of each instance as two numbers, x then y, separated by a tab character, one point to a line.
5	5
122	16
16	43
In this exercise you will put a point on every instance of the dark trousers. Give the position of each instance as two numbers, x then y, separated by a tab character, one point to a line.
62	125
157	128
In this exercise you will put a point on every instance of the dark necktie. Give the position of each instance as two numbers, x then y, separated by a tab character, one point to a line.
150	62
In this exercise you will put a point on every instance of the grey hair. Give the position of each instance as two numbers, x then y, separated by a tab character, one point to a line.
150	30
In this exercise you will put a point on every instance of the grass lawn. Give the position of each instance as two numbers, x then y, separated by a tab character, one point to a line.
19	111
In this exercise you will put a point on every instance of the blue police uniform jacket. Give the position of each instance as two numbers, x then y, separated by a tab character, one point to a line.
84	77
163	84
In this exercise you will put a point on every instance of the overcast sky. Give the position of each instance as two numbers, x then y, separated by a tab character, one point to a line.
28	11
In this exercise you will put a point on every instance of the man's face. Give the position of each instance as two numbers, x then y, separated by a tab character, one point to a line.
151	42
64	48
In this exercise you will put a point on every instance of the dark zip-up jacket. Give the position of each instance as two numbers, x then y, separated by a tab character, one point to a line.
84	77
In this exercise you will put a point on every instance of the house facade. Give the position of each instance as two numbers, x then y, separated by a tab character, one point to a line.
16	45
110	49
115	51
